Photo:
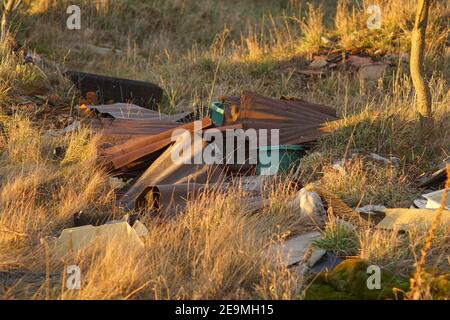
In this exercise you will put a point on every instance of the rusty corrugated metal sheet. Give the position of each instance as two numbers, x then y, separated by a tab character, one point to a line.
165	171
299	121
169	199
130	128
124	154
132	112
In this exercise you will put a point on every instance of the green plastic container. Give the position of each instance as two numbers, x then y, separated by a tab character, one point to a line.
288	155
217	113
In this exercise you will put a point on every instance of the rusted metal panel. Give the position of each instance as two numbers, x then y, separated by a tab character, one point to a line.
124	154
298	121
165	170
169	199
131	128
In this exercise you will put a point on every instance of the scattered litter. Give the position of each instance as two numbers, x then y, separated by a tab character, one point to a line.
435	179
78	238
327	262
419	204
359	62
325	40
434	200
338	166
164	171
366	67
371	209
345	225
34	58
407	219
299	121
316	255
131	111
136	143
140	228
293	250
109	89
338	208
308	204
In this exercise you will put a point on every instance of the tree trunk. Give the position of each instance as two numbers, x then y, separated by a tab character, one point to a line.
416	62
6	18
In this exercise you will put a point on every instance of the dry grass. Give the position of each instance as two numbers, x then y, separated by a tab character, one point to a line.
215	250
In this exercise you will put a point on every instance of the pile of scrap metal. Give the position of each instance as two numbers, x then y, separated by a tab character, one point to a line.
137	144
299	122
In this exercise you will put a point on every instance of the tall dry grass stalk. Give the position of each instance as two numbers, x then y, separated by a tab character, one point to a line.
419	289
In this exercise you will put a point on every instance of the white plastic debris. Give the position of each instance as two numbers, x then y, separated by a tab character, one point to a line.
308	203
140	228
338	166
75	239
434	200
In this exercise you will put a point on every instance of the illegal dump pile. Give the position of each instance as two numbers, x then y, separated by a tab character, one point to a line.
136	146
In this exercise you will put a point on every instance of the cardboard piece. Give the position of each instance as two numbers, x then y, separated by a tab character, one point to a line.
407	219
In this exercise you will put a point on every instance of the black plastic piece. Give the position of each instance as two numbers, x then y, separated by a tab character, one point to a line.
111	90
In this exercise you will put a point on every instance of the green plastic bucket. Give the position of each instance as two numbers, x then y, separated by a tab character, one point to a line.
217	113
288	155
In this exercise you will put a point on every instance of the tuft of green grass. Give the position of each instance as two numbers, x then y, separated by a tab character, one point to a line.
338	237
